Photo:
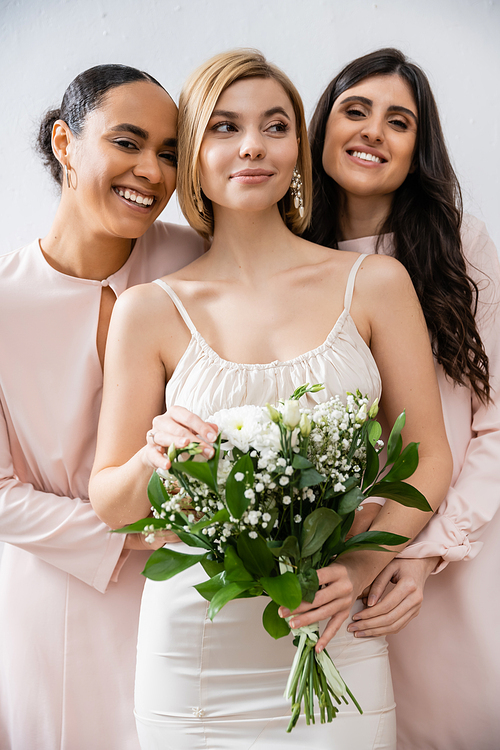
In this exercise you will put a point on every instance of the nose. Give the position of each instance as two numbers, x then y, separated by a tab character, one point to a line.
252	145
372	130
148	166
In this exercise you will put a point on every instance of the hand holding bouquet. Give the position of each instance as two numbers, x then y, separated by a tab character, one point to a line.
273	505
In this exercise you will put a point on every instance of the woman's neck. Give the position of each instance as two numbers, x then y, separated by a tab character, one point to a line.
251	244
74	249
364	216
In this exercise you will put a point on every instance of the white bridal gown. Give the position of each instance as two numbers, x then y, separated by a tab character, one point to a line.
219	685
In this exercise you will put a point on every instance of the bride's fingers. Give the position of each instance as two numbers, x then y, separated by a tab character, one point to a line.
181	427
331	630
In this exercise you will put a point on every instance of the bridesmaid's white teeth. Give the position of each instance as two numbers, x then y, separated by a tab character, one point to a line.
366	157
142	200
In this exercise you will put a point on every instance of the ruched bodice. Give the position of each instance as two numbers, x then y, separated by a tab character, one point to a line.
205	383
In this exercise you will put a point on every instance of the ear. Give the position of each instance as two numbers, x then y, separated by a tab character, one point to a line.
62	138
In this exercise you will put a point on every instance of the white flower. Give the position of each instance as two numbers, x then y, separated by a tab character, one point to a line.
289	471
287	500
259	487
297	518
254	517
253	534
249	494
291	414
284	481
266	517
239	476
281	462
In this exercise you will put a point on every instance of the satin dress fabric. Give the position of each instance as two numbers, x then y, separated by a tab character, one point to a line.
446	662
219	685
69	594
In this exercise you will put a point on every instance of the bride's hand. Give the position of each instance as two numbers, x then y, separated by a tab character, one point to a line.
341	582
177	426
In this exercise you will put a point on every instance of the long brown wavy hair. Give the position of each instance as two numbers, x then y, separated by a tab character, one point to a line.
425	220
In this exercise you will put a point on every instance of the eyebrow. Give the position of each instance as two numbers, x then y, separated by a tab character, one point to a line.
369	102
235	116
127	127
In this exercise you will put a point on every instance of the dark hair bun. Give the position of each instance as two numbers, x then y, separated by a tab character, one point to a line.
44	143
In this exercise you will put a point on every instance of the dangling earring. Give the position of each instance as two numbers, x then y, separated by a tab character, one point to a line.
66	172
296	191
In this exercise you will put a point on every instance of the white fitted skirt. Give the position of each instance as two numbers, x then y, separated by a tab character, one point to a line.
219	685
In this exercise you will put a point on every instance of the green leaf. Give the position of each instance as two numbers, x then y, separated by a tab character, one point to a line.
226	594
138	526
211	567
301	462
402	493
372	465
235	570
330	547
364	546
395	442
197	469
235	491
317	528
256	555
192	540
309	583
213	463
209	588
273	623
157	494
290	548
375	537
220	517
310	478
350	501
374	431
165	563
283	589
405	465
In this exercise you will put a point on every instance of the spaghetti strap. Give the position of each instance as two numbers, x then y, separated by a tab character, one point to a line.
180	307
350	282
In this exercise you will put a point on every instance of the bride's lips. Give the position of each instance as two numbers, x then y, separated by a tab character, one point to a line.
251	176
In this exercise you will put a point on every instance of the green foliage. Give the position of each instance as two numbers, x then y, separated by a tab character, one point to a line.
235	490
275	625
255	554
166	563
284	589
316	529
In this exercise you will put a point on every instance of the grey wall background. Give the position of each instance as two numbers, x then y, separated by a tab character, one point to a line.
44	44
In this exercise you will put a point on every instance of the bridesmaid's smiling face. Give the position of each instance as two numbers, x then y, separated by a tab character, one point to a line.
370	136
250	146
123	165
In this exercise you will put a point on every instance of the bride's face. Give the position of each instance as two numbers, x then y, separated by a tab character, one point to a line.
250	146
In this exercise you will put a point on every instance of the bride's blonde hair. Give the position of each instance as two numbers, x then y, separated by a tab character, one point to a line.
197	102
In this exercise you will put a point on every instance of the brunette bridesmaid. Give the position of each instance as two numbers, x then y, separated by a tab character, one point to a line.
374	191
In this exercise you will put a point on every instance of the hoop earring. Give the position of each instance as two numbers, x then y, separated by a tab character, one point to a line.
66	172
296	191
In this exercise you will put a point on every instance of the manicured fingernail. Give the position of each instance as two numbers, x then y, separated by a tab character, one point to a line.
372	599
356	617
284	612
360	634
211	436
294	624
352	628
319	649
209	452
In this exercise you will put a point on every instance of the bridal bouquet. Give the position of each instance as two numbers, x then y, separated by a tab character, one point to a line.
274	504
